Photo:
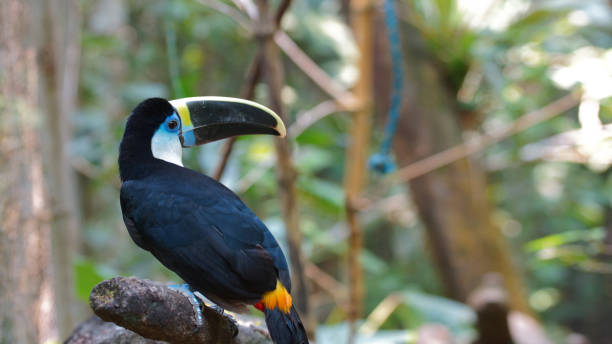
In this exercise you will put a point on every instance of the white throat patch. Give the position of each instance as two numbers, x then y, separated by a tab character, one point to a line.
167	146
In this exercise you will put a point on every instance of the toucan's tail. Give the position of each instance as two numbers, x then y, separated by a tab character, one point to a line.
285	328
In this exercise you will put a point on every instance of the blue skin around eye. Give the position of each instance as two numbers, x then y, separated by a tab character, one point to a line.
188	137
173	117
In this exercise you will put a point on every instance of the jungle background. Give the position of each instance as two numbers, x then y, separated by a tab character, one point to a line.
502	151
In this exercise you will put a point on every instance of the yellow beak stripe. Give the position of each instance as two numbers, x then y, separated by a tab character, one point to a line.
277	298
183	112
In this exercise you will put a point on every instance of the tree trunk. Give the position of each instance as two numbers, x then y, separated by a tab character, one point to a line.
451	201
59	73
274	76
26	292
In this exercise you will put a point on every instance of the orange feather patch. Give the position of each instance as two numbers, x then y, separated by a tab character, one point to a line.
277	298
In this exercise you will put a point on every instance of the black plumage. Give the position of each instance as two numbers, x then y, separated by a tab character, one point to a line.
197	227
203	232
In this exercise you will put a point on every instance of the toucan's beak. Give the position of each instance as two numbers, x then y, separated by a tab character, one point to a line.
207	119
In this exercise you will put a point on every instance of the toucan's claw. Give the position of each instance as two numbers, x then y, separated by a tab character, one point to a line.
203	299
234	324
191	296
218	309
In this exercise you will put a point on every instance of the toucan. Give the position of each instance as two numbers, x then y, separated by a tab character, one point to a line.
196	226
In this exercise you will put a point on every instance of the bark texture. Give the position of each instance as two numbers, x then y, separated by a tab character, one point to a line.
452	201
26	295
59	61
143	309
98	331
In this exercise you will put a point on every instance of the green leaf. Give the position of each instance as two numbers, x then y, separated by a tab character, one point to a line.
371	263
87	275
559	239
312	159
446	10
325	195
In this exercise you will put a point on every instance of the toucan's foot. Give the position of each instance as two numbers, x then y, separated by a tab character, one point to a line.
234	323
219	310
191	296
203	299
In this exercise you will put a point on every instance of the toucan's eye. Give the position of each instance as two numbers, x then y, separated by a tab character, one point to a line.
172	124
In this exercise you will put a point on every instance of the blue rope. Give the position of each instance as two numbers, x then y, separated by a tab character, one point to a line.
382	161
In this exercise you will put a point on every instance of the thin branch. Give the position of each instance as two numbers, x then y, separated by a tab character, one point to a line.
249	7
304	120
329	284
254	174
381	313
286	172
310	117
229	11
362	12
466	149
252	78
226	151
280	12
345	98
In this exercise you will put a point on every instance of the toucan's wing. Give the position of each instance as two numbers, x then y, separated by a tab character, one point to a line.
242	227
205	234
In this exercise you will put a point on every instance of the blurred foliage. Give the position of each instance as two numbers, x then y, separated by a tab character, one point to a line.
502	58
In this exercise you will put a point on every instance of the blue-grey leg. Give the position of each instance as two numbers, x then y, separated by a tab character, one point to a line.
217	309
186	290
209	303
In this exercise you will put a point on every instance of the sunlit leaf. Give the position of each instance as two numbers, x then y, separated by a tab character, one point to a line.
555	240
